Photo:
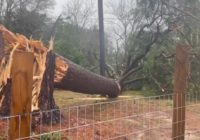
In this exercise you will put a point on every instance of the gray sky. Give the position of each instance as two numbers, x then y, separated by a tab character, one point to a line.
109	20
58	7
107	16
61	3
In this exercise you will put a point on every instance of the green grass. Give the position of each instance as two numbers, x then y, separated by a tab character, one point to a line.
68	98
51	136
143	93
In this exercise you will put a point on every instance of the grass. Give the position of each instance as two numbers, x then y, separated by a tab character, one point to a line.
68	98
143	93
51	136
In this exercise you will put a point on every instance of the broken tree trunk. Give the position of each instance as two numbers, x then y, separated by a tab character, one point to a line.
49	71
46	101
78	79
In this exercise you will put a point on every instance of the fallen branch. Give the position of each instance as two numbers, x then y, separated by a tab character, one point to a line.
130	73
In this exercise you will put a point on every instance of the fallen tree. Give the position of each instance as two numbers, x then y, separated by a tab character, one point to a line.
81	80
50	71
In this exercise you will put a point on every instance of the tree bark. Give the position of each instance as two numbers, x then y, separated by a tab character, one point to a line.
5	93
77	79
46	100
5	99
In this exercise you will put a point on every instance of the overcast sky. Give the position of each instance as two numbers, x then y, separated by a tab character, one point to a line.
61	3
59	6
109	21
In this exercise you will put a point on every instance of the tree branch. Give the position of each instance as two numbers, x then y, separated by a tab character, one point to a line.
129	73
147	25
180	10
134	80
139	57
166	56
110	71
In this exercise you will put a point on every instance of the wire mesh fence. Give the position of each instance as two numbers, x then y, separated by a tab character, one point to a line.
143	118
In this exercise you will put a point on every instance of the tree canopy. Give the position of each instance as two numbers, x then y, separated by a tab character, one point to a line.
28	17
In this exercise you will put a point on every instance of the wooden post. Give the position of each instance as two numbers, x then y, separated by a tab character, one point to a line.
21	94
181	70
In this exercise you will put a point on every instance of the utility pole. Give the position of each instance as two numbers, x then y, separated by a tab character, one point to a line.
101	38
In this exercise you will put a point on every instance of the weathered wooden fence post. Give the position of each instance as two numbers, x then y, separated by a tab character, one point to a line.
181	71
21	94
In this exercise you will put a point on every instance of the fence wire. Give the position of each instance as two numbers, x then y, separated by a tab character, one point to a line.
147	118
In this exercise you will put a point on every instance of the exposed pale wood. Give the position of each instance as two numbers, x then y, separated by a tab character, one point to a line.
178	126
21	94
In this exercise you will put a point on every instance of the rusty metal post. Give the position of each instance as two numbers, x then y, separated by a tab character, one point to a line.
180	81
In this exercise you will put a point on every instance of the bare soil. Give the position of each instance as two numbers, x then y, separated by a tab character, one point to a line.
126	118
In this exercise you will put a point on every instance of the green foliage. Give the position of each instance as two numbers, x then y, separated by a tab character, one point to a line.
33	23
78	44
160	69
159	19
28	17
51	136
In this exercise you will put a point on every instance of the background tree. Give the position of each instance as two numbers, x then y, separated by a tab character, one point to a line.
33	15
140	28
146	35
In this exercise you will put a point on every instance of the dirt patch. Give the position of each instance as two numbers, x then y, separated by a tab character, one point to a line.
122	119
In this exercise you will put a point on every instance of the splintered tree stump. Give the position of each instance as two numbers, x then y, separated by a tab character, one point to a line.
46	99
